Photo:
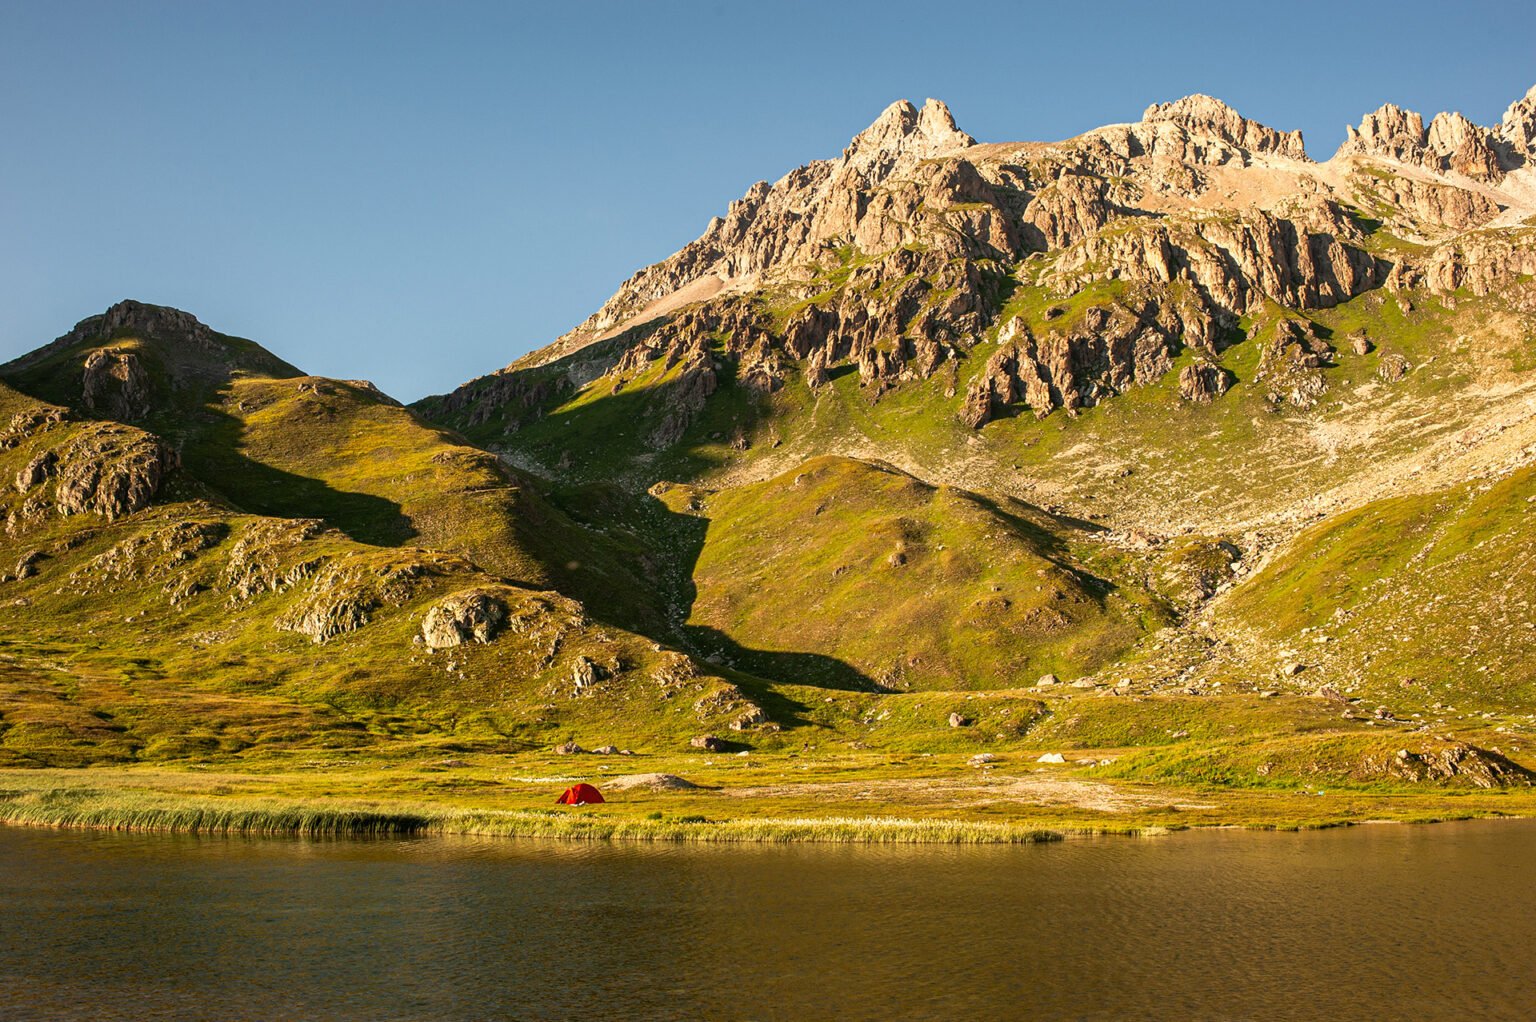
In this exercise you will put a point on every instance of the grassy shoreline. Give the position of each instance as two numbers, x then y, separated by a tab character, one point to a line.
283	804
90	809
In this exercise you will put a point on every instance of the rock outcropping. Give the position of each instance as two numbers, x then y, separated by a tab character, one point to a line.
475	615
1450	142
903	259
115	385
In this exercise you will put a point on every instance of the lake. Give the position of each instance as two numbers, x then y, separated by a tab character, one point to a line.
1371	922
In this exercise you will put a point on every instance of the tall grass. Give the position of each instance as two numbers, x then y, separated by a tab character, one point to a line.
118	810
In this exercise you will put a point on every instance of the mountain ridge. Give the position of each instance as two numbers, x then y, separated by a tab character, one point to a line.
1165	421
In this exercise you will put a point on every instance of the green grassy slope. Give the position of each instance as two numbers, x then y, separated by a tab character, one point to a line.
910	585
271	441
1422	599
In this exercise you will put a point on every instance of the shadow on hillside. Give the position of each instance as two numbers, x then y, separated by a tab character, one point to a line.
212	454
787	668
682	539
188	382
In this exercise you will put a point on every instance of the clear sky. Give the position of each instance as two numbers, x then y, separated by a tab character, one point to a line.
419	193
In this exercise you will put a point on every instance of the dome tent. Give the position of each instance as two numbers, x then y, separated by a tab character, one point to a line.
580	795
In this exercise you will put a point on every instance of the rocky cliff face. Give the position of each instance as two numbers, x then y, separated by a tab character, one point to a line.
1202	118
901	259
1450	143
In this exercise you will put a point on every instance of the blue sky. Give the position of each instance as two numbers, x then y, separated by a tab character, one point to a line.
419	193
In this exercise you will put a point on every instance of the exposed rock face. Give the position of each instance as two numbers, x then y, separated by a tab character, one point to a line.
37	471
1292	362
1109	349
1388	131
474	615
1449	762
131	319
791	220
1429	207
115	385
1482	262
899	258
1203	382
1306	260
271	556
111	472
585	673
1393	367
152	553
1204	116
1518	128
1449	143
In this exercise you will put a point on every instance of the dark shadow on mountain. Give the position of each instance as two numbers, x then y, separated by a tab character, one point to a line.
678	537
187	377
787	668
211	453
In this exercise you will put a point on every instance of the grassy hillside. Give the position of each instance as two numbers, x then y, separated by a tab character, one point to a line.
1424	600
906	584
258	434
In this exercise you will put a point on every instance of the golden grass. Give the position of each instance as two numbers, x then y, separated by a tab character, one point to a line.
94	808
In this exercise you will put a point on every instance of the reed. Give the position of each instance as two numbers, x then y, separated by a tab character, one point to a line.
138	811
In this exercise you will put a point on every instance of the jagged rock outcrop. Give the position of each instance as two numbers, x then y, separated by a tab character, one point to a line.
1454	762
1308	259
1205	117
585	673
271	555
152	553
1393	367
794	219
474	615
897	259
1449	143
1291	364
1518	127
115	384
1203	382
37	471
111	471
1481	262
130	319
1427	207
1107	350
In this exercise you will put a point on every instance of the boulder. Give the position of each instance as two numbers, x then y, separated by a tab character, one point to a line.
474	615
1203	382
585	673
115	385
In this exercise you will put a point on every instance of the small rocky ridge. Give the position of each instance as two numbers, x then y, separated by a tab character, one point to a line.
1449	142
1204	116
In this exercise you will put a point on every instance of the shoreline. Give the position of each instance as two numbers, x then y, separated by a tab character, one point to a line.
77	807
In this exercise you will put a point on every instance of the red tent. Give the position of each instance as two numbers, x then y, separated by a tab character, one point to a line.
580	795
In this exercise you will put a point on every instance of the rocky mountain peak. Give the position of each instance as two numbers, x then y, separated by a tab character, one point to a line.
901	136
1451	142
1205	115
141	318
128	318
902	127
1519	125
1389	130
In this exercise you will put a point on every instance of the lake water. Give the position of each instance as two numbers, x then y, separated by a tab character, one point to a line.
1377	922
